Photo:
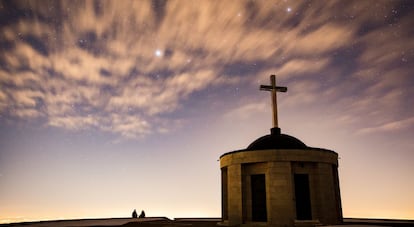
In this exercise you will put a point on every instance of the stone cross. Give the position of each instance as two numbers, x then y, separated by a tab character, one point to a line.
273	88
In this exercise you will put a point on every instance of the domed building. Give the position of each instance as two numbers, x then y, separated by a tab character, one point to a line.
280	181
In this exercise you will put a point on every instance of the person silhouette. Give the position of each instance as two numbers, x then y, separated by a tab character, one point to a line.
134	214
142	215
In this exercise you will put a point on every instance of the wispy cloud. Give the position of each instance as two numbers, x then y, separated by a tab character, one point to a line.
389	127
93	63
302	67
94	66
245	112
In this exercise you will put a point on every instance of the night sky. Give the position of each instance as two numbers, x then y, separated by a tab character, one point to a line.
110	106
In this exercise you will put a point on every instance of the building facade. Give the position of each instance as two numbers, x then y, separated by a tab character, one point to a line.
279	181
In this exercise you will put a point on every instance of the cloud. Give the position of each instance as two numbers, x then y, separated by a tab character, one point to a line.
95	74
389	127
393	40
130	126
3	100
27	98
92	64
245	112
302	93
160	96
302	67
322	40
73	122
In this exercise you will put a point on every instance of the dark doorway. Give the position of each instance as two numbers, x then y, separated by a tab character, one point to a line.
302	193
259	211
224	197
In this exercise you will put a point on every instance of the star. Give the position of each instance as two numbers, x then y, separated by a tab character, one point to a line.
158	53
288	9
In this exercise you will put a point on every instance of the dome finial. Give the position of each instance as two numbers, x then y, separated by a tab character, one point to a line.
275	131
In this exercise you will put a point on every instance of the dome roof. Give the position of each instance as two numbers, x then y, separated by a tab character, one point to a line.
276	140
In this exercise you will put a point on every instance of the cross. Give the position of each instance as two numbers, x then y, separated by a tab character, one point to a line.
273	88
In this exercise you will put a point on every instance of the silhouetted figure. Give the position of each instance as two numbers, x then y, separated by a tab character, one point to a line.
142	215
134	214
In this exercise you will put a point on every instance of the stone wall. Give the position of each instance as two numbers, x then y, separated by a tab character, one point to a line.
279	167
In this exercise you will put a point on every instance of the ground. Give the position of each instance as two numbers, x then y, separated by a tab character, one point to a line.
172	223
193	222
